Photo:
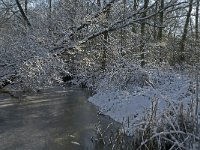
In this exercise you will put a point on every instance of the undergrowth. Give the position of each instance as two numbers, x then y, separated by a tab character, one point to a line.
175	128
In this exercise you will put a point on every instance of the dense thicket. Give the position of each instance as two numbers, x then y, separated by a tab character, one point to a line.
89	38
124	49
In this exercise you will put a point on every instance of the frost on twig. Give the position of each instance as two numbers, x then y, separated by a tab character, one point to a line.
173	129
29	65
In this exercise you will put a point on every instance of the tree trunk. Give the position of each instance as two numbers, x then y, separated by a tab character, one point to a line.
155	22
23	13
146	3
105	37
197	21
135	5
160	30
26	7
197	65
49	15
50	8
181	56
123	31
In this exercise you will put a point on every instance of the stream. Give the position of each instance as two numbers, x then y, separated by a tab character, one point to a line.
53	119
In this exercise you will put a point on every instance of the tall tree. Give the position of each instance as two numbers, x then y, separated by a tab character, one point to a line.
197	65
135	5
197	21
105	37
123	31
144	14
105	34
23	13
49	15
181	56
160	29
155	21
50	7
26	7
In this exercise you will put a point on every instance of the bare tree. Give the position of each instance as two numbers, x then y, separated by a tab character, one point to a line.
144	14
181	56
197	20
26	7
160	30
23	13
155	21
135	6
197	63
161	20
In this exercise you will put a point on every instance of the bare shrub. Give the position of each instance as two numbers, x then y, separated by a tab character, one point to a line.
173	129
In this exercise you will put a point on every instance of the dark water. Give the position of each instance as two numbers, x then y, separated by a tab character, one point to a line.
55	119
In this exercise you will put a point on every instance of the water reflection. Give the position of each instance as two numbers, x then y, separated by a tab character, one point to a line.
55	119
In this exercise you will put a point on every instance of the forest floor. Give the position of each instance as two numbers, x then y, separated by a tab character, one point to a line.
128	106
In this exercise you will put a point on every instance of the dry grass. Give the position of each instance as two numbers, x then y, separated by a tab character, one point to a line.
175	128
